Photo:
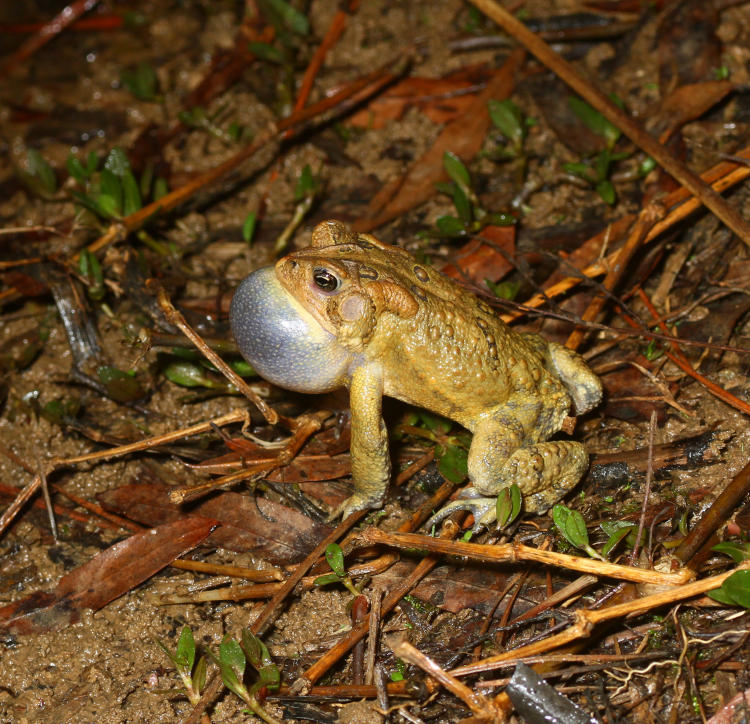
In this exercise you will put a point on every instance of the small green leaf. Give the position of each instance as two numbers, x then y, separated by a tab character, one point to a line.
110	185
615	537
232	664
508	505
76	169
248	227
581	170
720	595
188	374
121	386
199	675
450	226
463	205
606	190
106	206
503	290
141	81
735	590
293	19
326	579
453	463
186	648
264	51
90	268
455	168
42	175
335	558
507	117
594	120
571	525
131	195
306	184
738	552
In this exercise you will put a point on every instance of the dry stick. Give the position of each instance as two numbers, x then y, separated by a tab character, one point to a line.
335	29
513	552
13	509
646	488
517	30
173	316
267	615
682	362
715	515
479	705
685	208
69	14
642	226
585	620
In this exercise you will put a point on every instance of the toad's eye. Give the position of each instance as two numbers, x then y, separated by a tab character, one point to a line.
325	280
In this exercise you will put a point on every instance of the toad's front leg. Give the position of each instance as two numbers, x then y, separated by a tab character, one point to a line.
371	462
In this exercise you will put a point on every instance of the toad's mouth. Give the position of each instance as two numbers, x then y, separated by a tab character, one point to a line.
282	340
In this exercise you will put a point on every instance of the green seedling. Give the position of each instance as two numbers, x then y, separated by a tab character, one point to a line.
213	124
471	217
451	451
192	674
307	188
503	290
572	527
233	659
508	505
248	227
142	82
113	192
597	170
91	271
37	175
617	531
507	117
335	559
120	386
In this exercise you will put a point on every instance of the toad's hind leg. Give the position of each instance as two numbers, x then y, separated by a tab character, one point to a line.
544	471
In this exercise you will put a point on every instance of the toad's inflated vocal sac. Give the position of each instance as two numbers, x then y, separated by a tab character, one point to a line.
352	311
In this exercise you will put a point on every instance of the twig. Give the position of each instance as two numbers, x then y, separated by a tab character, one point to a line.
175	318
682	362
586	620
516	29
680	205
625	253
513	552
715	515
55	463
479	705
47	32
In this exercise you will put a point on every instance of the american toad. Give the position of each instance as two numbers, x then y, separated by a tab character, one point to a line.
352	311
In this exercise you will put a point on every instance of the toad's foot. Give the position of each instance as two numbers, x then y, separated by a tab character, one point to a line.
354	504
484	510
